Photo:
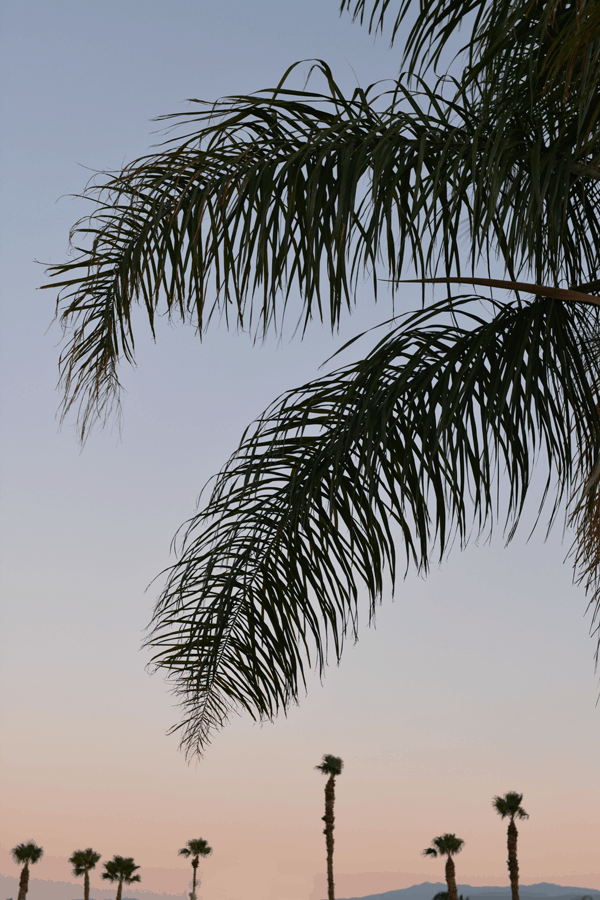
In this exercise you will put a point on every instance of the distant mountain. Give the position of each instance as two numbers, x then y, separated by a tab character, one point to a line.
542	891
40	889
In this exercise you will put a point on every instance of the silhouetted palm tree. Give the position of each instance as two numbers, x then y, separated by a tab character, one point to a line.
195	849
83	861
24	854
332	766
121	869
447	845
510	805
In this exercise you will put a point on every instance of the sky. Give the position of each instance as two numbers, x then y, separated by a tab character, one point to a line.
474	682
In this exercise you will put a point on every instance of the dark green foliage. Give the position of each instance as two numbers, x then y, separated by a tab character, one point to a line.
121	869
196	848
278	203
510	805
445	845
331	765
402	448
27	852
83	861
226	214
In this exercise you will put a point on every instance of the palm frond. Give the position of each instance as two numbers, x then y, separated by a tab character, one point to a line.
402	449
560	36
225	220
435	23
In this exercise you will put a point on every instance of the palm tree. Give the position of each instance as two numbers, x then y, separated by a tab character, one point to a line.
195	849
83	861
331	766
121	869
510	805
26	854
266	194
447	845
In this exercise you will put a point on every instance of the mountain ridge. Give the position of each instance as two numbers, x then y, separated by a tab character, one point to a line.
539	891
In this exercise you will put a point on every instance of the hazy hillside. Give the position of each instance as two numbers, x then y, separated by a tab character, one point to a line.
39	889
542	891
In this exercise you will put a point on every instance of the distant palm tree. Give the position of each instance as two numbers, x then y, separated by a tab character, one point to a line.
83	861
121	869
23	854
195	849
332	766
447	845
510	805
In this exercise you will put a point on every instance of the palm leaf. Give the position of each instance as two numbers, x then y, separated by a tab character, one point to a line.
406	448
559	39
222	221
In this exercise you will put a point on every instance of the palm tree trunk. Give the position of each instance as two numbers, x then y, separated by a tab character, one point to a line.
513	863
451	879
120	889
328	818
86	885
23	882
195	863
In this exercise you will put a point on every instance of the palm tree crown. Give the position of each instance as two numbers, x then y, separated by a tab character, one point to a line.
28	852
261	197
510	805
444	845
83	861
196	848
331	765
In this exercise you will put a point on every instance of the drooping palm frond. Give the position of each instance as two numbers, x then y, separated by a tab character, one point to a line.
225	220
405	447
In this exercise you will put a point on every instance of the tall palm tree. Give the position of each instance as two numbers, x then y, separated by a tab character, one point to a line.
447	845
297	193
83	861
120	869
510	806
195	849
331	766
26	854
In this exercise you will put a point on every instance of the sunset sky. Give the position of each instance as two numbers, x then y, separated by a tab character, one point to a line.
476	681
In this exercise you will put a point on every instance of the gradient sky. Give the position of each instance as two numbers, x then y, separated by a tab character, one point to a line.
477	681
